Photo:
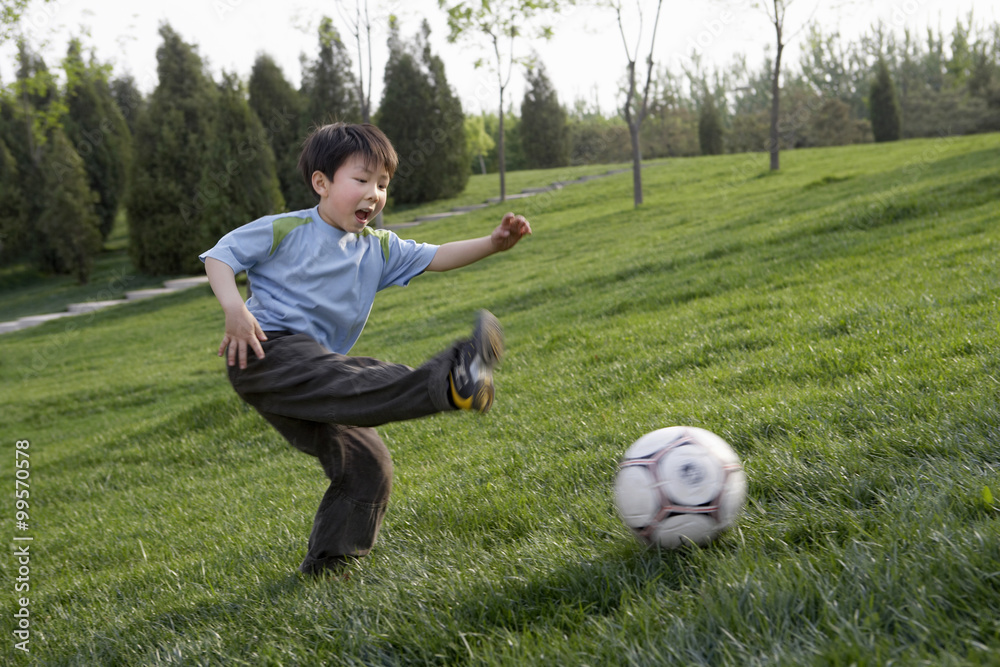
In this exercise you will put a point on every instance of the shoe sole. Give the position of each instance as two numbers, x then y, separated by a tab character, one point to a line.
488	338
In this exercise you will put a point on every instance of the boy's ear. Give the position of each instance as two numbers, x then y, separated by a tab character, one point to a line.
320	183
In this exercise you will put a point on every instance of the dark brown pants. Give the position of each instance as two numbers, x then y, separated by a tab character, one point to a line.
326	404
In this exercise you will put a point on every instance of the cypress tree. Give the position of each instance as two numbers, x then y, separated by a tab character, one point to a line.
238	180
68	224
709	128
12	219
20	183
26	113
98	132
128	98
328	84
423	118
884	106
171	139
280	108
544	130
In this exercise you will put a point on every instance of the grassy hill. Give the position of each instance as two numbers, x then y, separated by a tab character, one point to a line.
836	322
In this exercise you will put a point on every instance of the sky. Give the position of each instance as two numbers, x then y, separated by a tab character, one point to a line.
585	59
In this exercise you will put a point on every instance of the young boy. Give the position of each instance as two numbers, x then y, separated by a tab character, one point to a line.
314	275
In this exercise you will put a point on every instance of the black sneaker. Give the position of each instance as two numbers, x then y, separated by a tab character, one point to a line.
471	378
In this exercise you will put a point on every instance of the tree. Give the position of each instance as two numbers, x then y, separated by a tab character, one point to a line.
12	205
477	141
171	139
709	127
30	111
96	128
776	11
422	116
544	132
129	99
361	29
636	105
328	86
500	22
885	113
279	106
68	225
238	178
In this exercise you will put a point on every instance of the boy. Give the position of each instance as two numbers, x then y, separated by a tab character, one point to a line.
314	275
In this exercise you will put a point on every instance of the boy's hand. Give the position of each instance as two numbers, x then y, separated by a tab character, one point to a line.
510	230
242	331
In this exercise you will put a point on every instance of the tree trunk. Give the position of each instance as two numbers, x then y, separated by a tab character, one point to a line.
775	107
633	131
500	154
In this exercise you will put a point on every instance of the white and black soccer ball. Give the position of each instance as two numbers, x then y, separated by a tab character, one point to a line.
680	485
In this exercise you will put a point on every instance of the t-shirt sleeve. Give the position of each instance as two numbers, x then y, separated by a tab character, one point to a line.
243	247
404	260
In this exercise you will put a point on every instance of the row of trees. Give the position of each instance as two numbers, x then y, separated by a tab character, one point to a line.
199	156
838	93
210	155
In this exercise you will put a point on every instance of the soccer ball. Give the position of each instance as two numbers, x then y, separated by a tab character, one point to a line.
679	485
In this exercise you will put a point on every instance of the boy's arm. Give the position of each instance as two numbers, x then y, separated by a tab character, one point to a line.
242	328
456	254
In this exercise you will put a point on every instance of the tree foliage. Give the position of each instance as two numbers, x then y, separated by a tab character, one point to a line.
171	143
328	85
709	128
68	224
886	120
423	118
238	179
98	131
544	131
280	108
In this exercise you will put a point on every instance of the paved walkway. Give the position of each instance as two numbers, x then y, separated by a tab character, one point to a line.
186	283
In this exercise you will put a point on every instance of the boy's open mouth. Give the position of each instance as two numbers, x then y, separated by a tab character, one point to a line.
362	215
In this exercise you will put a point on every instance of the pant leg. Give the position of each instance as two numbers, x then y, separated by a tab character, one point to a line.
324	404
300	378
359	468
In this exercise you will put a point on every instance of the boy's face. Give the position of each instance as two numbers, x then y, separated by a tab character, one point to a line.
354	196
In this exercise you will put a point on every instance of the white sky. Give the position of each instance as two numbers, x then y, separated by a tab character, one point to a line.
585	59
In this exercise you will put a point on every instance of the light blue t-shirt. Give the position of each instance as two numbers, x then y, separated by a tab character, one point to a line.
312	278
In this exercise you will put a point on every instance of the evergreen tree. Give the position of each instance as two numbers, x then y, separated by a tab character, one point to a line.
280	107
477	142
20	183
544	130
884	106
12	219
328	84
128	98
170	142
709	127
238	180
68	224
27	113
96	128
423	118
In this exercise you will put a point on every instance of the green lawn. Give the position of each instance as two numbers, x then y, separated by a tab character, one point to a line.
837	322
25	291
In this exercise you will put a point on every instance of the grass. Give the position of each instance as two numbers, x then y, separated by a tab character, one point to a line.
836	322
25	291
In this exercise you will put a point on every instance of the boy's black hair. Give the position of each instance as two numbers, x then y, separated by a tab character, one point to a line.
329	146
